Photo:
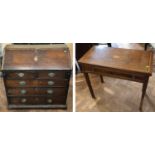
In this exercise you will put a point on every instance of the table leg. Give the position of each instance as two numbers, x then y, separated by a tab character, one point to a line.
109	44
101	78
77	65
145	46
89	85
145	83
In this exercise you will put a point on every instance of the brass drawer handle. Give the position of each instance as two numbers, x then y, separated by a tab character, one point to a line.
23	100
20	74
51	74
49	101
23	91
50	83
22	83
49	91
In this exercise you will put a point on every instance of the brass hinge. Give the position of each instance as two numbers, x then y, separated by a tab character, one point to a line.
147	68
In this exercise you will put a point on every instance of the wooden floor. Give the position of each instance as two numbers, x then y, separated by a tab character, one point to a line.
115	95
3	102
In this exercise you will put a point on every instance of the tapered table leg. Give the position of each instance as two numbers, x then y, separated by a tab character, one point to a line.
101	77
145	46
89	85
143	93
109	44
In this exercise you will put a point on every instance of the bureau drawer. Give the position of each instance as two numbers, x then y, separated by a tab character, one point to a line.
36	83
37	100
36	91
51	75
21	75
52	83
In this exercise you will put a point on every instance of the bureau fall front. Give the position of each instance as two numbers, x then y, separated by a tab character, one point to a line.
36	76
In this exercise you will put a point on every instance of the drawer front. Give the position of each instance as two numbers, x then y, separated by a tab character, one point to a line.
119	74
51	75
36	83
52	83
21	75
37	100
37	74
25	100
59	92
37	91
114	73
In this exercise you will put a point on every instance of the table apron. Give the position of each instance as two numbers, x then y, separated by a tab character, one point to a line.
116	74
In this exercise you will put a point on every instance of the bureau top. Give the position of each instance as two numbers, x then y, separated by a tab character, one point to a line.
36	57
117	58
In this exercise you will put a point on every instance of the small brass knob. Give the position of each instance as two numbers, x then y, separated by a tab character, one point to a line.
51	74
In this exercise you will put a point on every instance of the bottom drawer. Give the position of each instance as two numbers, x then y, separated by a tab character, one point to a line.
36	100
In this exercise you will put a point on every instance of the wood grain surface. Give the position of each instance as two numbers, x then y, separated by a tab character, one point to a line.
124	59
19	57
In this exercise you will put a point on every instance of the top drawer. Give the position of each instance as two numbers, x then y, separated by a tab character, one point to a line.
37	75
21	75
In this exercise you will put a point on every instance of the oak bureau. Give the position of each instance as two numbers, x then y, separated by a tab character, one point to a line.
36	76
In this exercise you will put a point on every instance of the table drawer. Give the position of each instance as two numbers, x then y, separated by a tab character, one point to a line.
36	83
21	75
36	91
119	74
37	100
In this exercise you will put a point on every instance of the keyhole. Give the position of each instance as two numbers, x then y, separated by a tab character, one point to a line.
35	58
